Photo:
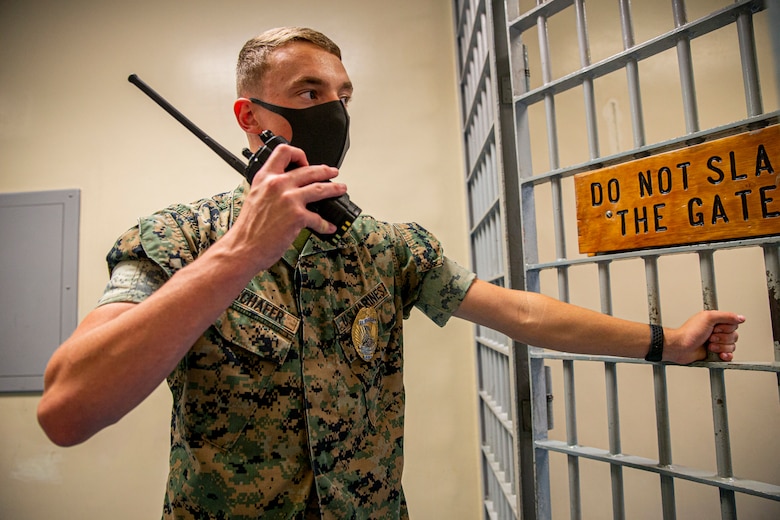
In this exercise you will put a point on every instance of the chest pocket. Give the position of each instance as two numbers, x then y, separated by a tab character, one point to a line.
232	366
380	372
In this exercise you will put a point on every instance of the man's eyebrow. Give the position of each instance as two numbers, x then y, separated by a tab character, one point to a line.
319	82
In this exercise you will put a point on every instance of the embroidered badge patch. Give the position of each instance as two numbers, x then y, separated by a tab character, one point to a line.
365	333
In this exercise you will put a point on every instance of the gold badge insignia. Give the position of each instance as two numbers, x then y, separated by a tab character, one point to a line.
365	333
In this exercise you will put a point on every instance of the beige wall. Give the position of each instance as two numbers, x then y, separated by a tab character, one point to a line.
69	119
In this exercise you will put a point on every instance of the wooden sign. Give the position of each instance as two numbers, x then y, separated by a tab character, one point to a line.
719	190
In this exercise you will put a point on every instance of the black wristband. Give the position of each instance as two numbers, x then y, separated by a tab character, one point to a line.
656	343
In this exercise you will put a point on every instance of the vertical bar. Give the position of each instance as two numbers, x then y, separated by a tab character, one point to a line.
709	290
632	73
560	236
537	504
747	52
510	131
720	420
575	499
774	21
549	99
587	83
685	65
563	284
549	390
661	394
613	408
613	418
772	263
476	116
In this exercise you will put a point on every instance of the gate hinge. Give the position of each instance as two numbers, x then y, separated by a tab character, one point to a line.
549	396
547	413
506	90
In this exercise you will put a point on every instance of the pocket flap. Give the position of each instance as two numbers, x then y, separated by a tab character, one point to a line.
258	326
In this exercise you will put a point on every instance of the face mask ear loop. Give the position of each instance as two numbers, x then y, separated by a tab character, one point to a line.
268	106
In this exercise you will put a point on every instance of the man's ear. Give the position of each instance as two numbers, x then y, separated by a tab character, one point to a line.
246	115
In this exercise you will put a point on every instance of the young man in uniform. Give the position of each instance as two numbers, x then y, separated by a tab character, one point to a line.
283	351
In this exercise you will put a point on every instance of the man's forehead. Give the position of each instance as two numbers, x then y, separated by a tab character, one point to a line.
294	55
305	64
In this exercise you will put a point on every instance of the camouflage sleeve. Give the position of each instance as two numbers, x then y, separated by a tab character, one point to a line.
133	275
432	282
443	290
133	281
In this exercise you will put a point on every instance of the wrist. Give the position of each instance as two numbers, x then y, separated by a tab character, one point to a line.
238	249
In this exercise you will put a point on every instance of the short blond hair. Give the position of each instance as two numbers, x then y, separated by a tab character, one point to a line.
253	58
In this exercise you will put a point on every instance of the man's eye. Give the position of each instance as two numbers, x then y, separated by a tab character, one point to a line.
345	100
309	94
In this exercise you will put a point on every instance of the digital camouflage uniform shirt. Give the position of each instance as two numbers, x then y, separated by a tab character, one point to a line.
276	413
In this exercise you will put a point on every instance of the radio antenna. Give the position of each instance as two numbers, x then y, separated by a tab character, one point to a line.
220	150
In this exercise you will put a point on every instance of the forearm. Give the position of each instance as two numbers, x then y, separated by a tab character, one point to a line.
541	321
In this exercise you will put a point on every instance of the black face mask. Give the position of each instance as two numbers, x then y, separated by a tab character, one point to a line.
321	131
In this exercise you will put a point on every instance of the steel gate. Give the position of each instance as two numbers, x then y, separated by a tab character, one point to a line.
524	70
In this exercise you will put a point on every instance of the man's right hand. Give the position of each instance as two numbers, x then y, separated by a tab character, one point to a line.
274	211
